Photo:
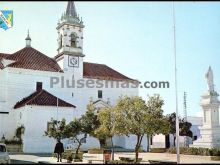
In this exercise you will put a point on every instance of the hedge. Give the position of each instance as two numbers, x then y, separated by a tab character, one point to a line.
196	151
69	155
158	150
95	151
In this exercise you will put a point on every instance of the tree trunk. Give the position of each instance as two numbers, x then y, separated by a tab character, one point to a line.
102	143
148	143
77	149
137	148
139	140
174	137
113	151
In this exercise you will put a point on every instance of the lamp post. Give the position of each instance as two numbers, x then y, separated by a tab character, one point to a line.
176	93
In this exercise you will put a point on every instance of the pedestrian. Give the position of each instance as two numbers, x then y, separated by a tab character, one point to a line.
59	150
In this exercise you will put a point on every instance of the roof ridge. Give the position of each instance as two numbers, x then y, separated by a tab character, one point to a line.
93	63
42	96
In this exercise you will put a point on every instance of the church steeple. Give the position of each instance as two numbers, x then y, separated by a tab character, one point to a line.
70	16
71	10
70	42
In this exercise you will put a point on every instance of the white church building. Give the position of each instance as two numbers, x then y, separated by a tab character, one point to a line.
34	89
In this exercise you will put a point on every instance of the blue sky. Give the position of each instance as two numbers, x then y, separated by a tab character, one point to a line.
135	38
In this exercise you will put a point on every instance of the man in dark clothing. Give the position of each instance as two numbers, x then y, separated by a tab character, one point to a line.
59	150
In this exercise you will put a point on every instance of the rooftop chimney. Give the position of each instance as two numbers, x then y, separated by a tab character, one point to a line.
39	86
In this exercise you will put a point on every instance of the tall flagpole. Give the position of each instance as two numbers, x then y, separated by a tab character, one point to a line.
177	114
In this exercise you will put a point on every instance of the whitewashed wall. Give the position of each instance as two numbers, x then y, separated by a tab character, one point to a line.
34	119
17	84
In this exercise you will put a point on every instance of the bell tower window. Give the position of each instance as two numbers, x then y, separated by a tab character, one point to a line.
73	40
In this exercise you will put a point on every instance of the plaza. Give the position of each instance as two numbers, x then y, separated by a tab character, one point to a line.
38	78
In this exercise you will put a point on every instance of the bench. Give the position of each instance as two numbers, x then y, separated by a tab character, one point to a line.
161	162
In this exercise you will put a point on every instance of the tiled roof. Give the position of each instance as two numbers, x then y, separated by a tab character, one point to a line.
3	55
42	98
30	58
1	65
101	71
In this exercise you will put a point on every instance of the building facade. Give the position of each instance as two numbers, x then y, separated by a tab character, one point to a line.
36	88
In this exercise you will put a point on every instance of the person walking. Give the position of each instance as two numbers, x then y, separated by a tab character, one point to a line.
59	150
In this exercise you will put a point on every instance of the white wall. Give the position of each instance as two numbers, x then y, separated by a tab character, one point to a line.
34	119
130	142
18	83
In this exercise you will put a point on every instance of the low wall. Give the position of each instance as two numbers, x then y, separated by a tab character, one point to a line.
14	148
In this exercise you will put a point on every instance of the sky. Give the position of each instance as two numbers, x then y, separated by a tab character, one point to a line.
134	38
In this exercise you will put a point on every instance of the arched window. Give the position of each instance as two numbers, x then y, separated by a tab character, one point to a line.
73	37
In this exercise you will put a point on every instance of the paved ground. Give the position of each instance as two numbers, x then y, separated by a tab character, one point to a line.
98	158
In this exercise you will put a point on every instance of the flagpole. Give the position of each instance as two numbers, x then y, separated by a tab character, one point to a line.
176	93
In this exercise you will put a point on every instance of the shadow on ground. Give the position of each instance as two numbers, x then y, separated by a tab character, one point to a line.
13	161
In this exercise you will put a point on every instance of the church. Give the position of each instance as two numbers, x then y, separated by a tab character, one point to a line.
28	99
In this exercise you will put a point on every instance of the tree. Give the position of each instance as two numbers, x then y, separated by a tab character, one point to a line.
76	130
157	123
91	120
134	116
56	129
184	126
19	132
106	119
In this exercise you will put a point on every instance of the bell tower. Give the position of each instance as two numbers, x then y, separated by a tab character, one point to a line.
70	42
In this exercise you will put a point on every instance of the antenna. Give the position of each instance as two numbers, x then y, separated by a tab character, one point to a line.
185	116
184	106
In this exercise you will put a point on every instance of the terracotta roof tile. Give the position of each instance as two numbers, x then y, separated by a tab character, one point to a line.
42	98
30	58
101	71
1	65
3	55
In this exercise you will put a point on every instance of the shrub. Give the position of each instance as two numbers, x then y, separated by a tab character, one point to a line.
192	151
122	162
196	151
183	150
96	151
215	158
158	150
204	151
215	152
19	142
70	155
172	150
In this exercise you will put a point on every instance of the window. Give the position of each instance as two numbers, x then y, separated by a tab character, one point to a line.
2	148
99	94
83	140
39	86
73	37
194	137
